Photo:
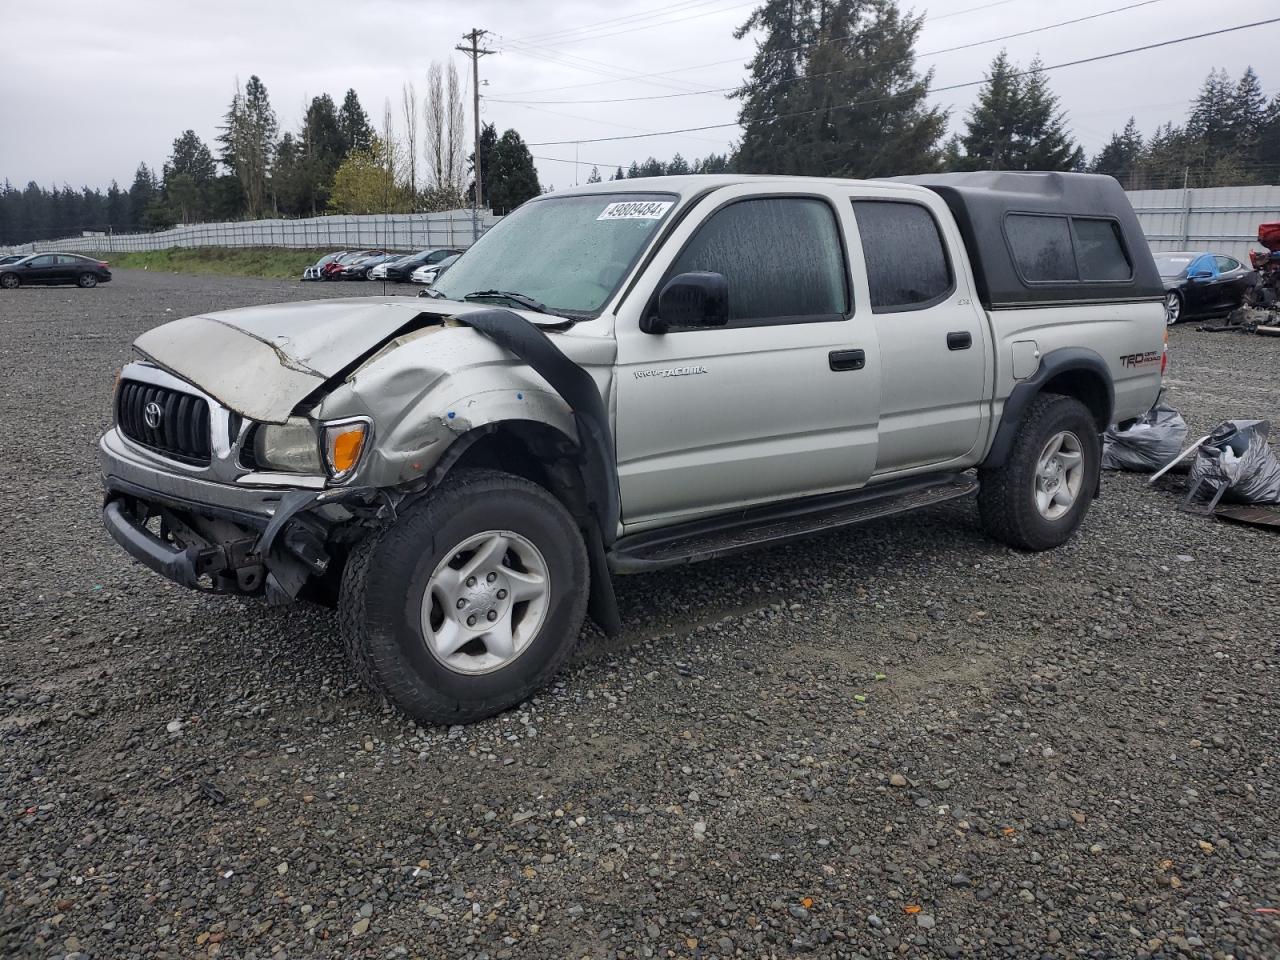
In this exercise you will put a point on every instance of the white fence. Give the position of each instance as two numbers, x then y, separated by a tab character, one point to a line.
400	231
1221	219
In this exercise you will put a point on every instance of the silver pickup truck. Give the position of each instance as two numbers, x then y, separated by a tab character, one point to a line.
629	376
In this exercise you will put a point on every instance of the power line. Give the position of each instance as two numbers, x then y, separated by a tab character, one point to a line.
717	63
954	86
929	53
555	36
594	66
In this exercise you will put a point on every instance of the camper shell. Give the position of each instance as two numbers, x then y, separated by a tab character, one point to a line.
1045	239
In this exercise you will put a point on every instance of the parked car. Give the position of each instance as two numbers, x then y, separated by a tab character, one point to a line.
316	270
51	268
379	270
1202	284
12	258
403	269
429	273
358	268
333	269
622	378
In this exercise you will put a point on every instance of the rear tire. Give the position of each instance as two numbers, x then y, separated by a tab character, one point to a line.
485	545
87	280
1040	496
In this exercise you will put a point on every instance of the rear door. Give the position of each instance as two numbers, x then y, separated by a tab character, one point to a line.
1235	281
69	268
935	347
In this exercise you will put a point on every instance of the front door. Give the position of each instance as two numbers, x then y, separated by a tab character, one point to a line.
41	269
781	402
934	346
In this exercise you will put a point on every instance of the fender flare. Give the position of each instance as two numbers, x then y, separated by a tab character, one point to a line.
595	441
1052	364
599	471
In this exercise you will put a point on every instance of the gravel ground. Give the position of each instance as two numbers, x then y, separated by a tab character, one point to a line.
902	740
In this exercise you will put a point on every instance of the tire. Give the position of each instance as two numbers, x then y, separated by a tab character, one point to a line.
1173	307
87	280
1009	496
391	596
9	281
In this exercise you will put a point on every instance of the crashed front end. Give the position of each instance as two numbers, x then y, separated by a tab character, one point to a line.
187	492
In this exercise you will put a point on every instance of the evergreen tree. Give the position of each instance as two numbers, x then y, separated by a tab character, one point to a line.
1121	157
353	123
188	178
618	175
678	166
248	139
594	176
514	178
117	207
834	91
143	194
633	171
1016	124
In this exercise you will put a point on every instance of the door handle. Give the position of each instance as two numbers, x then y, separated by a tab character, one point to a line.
959	340
847	359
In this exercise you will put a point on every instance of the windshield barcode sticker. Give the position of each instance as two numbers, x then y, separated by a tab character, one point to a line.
636	210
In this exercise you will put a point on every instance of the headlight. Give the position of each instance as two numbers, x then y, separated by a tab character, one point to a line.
289	446
344	442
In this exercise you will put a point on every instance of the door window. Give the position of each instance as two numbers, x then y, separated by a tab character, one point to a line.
66	260
1226	264
781	257
45	261
907	264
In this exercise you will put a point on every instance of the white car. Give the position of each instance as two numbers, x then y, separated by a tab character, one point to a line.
428	273
380	271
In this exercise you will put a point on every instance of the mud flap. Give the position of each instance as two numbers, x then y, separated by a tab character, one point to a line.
599	470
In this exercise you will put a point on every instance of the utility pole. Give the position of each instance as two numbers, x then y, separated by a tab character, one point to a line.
475	52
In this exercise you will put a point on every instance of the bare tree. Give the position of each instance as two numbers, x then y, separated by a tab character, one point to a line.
456	151
437	129
409	107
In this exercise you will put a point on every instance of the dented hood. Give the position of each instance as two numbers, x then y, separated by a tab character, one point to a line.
263	361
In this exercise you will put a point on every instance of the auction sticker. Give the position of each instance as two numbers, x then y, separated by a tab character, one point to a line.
636	210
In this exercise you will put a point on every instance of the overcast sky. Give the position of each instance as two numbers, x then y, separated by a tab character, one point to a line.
92	88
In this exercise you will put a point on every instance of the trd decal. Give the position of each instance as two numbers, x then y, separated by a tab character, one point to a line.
1133	360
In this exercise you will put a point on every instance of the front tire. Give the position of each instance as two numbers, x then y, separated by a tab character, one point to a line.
87	280
9	281
469	602
1172	307
1038	498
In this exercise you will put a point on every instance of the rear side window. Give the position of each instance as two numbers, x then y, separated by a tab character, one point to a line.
907	265
1100	251
1226	264
1041	247
1051	249
781	257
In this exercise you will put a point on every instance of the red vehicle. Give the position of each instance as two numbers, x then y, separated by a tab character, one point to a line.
1267	293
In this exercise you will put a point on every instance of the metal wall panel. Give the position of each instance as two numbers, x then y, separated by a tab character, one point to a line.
1219	219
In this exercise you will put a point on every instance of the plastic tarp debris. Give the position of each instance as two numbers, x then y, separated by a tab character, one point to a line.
1235	463
1148	443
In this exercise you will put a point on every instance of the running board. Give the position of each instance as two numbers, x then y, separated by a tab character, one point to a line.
774	524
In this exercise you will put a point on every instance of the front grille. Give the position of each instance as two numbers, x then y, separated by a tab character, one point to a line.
183	429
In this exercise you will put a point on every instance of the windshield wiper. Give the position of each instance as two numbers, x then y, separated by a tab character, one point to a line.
527	302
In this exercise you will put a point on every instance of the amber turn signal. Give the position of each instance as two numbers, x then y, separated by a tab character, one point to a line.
343	445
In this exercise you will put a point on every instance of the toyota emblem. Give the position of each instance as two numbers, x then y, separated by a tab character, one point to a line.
153	413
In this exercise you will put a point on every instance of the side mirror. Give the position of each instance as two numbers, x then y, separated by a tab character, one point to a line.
690	300
1199	275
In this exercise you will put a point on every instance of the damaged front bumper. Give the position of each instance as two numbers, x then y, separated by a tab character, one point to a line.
228	538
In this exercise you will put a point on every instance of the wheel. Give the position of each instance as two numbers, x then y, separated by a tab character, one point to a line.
1038	498
1172	307
469	602
9	281
87	280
